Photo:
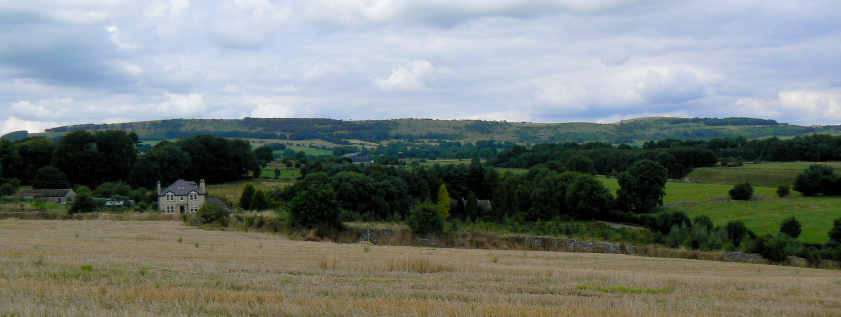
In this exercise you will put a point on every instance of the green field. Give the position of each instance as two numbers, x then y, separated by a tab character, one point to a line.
763	174
764	216
679	192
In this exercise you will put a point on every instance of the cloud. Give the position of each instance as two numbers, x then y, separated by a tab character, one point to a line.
510	116
336	13
273	111
673	86
246	24
183	106
824	103
405	79
12	124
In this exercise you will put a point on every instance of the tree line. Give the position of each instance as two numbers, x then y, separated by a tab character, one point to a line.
84	158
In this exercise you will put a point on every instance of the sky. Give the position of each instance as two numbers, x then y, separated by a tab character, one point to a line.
68	62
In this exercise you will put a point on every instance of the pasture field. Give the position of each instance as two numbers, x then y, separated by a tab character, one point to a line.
679	192
763	174
764	216
232	190
142	268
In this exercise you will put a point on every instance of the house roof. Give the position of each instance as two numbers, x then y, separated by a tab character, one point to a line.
45	192
217	201
182	188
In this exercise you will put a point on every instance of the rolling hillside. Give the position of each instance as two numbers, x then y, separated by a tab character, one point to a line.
339	131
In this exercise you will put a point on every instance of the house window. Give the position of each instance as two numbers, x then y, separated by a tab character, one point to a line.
170	197
170	209
194	209
182	198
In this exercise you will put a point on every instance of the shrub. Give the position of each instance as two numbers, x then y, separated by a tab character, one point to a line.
817	179
83	203
783	190
791	227
212	213
705	222
835	232
741	191
424	218
247	195
316	207
736	231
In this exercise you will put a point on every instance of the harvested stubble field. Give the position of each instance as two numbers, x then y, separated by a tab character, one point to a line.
99	267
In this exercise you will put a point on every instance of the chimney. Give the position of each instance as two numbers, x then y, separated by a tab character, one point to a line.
159	187
201	185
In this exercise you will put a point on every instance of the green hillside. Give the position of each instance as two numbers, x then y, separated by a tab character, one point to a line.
340	131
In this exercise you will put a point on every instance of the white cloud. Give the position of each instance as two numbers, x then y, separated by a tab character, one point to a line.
673	86
822	103
183	106
12	124
273	111
407	79
510	116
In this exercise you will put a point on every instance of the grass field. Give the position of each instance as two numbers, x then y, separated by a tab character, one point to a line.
232	190
764	216
98	267
763	174
678	192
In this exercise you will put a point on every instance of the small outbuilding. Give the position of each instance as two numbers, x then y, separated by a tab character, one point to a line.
55	196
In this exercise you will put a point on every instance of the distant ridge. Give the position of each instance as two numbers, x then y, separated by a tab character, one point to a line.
635	130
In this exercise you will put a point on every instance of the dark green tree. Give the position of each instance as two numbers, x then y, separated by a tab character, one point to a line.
83	203
783	191
580	163
835	232
817	179
705	222
264	155
316	207
587	198
791	227
246	196
743	191
425	218
116	153
38	152
471	206
76	155
642	186
49	177
259	202
736	231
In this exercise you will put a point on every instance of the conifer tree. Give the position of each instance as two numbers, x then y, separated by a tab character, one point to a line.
444	201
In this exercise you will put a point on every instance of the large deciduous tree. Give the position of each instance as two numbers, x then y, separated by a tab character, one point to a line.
642	186
49	177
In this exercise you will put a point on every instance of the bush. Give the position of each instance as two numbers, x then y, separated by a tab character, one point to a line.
705	222
316	207
742	191
791	227
736	231
835	232
424	218
83	203
212	213
817	179
783	190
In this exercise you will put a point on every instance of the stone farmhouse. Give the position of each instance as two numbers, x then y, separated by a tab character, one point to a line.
182	197
359	158
55	196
